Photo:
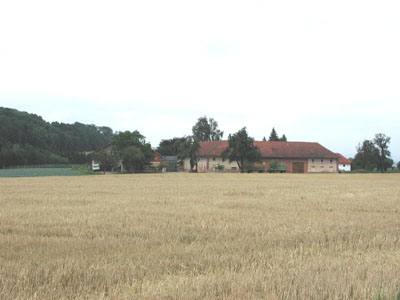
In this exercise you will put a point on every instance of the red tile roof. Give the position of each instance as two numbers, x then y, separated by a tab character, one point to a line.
342	159
273	149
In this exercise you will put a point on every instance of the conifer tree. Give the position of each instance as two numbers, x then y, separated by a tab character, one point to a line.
273	136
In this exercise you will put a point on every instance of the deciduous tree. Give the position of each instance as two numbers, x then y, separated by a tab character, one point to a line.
106	160
241	149
133	159
206	130
382	142
132	149
170	147
367	156
188	149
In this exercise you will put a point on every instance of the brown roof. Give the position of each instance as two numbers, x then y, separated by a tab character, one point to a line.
100	148
213	148
342	159
273	149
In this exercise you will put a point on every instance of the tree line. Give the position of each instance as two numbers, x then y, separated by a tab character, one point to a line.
26	139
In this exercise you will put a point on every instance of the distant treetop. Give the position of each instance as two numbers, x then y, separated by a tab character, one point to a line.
273	137
207	130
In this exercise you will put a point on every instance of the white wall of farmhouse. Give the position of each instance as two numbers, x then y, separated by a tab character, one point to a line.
209	164
322	165
312	165
344	167
186	164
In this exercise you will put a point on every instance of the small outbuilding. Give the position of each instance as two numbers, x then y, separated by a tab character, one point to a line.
344	164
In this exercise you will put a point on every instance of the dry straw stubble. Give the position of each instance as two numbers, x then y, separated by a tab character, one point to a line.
200	236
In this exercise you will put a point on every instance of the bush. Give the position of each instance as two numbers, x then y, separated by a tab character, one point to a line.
219	167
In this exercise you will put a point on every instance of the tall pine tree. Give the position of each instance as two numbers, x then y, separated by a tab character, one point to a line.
273	136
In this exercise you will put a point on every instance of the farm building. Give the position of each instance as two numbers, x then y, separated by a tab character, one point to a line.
290	157
344	163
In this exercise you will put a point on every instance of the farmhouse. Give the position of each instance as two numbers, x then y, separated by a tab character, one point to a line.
344	163
290	157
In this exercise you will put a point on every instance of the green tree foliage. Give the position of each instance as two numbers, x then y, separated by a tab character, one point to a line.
170	147
26	139
206	130
241	149
106	131
132	149
106	160
134	159
188	149
382	142
398	165
373	154
78	137
367	156
273	136
18	155
388	163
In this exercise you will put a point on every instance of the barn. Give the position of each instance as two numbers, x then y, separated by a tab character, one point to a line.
290	157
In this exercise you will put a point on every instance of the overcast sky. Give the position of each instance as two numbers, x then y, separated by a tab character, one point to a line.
323	71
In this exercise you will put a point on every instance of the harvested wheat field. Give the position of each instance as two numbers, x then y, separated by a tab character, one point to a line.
200	236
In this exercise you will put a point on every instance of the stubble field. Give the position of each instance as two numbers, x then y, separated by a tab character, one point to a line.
200	236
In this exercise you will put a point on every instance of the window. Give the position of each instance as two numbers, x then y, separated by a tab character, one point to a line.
322	160
313	160
331	160
213	158
344	166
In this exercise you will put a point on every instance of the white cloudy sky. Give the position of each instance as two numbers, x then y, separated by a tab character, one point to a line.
325	71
